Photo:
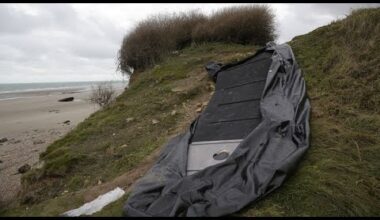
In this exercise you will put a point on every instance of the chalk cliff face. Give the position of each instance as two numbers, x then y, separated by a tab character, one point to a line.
337	177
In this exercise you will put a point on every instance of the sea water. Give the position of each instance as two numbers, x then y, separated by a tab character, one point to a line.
23	90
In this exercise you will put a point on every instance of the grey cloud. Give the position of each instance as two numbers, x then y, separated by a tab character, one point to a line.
16	21
95	49
55	45
80	42
300	19
341	9
12	21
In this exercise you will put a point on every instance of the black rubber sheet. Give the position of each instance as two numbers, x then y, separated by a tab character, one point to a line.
271	148
234	109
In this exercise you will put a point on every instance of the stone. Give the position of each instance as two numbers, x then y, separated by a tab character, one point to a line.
15	141
199	109
129	119
173	112
211	87
40	164
54	110
178	89
117	156
2	140
155	121
38	142
24	168
1	161
66	122
199	104
68	99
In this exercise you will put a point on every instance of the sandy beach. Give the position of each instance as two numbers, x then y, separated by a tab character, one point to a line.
32	121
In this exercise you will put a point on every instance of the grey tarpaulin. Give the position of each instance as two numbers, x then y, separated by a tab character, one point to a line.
259	165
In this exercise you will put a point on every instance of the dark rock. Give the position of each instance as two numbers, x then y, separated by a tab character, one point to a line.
38	142
54	110
66	122
117	156
15	141
1	161
2	140
24	168
30	198
68	99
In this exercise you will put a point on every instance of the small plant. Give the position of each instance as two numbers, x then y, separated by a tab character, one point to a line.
102	94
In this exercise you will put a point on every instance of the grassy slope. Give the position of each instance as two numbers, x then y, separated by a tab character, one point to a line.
338	176
106	146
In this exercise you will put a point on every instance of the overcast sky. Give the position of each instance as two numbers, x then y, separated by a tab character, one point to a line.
79	42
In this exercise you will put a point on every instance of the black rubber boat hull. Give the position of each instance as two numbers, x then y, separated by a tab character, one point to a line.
260	163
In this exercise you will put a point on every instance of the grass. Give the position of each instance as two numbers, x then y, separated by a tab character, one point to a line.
105	145
339	176
113	209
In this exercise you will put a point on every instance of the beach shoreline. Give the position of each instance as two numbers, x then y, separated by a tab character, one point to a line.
30	122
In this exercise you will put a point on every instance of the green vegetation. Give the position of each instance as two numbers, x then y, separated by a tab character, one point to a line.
116	139
339	175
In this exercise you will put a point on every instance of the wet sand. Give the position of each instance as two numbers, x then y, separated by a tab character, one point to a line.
32	123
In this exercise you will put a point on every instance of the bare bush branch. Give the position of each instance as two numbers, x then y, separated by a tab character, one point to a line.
102	94
154	38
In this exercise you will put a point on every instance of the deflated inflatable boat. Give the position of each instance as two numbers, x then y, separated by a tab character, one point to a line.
250	137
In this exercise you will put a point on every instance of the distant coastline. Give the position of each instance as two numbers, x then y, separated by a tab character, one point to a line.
12	91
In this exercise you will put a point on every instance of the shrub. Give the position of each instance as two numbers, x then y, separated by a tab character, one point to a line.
154	38
102	94
241	24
